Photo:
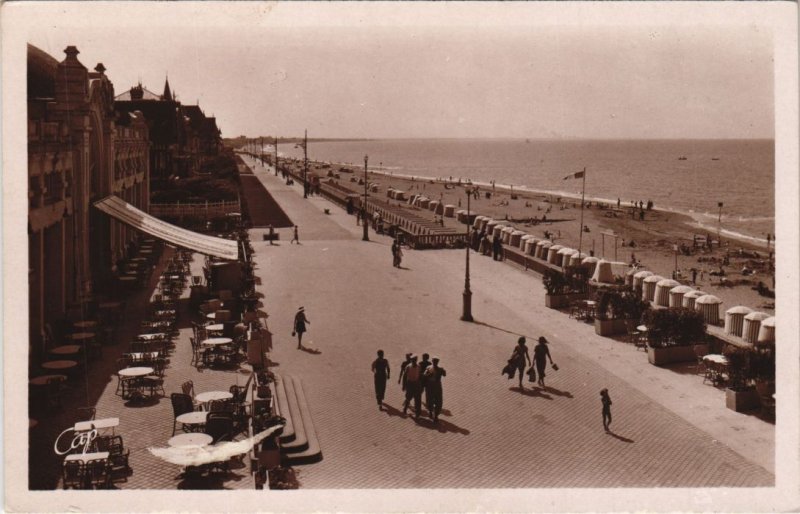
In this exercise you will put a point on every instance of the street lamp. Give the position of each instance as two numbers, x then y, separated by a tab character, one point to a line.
364	207
305	165
276	156
466	312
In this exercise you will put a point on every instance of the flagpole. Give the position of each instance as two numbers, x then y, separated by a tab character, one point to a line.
583	192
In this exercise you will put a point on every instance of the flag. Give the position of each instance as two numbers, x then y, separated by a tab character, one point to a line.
575	175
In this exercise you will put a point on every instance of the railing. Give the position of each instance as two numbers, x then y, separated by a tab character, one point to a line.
206	210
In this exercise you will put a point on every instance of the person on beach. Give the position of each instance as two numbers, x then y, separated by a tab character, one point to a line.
541	353
497	248
402	378
271	235
606	399
300	321
394	253
520	358
485	245
381	373
433	392
694	275
296	236
413	390
423	378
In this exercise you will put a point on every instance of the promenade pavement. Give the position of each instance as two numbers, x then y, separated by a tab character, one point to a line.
669	428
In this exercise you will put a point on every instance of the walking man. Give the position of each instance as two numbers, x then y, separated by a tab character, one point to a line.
381	372
497	248
296	236
606	399
402	378
433	381
423	378
413	390
271	235
300	321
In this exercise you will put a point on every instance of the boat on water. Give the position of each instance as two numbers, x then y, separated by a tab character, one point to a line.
682	158
715	158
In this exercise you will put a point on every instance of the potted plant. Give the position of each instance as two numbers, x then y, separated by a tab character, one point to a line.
555	285
673	334
609	314
741	394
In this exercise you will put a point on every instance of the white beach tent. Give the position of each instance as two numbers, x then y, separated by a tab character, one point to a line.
433	205
709	306
542	247
490	224
691	297
590	263
484	223
524	243
649	287
752	326
605	271
563	255
449	211
576	259
552	252
638	278
663	288
399	195
506	234
766	333
734	319
515	238
497	231
676	295
477	223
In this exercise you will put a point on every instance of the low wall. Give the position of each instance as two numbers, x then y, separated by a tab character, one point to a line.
207	210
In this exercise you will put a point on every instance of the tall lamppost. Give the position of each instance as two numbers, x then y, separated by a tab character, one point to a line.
719	224
305	165
276	156
466	312
364	208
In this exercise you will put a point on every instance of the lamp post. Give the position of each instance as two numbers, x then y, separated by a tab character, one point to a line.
719	224
466	311
364	207
276	156
305	165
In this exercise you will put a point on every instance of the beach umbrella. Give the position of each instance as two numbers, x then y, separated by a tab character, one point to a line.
709	305
515	238
649	287
541	248
752	326
676	295
734	319
639	277
766	332
691	297
209	454
662	291
552	252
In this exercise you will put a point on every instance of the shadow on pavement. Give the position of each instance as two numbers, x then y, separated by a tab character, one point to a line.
500	329
312	351
553	390
441	426
535	392
623	439
391	411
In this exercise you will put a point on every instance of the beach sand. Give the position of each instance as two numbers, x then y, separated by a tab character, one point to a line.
654	237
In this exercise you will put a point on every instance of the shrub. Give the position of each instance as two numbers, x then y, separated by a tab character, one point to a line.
740	367
674	327
632	306
554	282
609	305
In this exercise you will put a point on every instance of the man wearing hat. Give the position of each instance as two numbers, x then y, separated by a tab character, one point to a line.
433	383
402	378
300	321
413	389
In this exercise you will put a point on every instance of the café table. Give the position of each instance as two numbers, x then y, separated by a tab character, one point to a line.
716	366
81	337
211	315
215	327
42	380
152	336
96	424
216	341
59	364
85	324
86	457
132	374
67	349
138	356
195	419
642	328
210	396
192	439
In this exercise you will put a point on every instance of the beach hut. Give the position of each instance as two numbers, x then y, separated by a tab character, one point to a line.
478	222
433	205
374	188
663	287
526	242
552	253
399	195
488	227
576	259
734	319
439	209
497	231
484	222
506	234
516	237
649	287
691	297
390	192
423	202
461	215
590	263
541	248
562	259
638	279
752	326
449	211
709	305
412	199
676	295
766	332
603	272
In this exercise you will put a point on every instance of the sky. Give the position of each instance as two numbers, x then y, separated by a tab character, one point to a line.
462	74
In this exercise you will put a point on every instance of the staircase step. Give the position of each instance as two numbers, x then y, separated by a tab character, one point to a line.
300	442
282	404
313	452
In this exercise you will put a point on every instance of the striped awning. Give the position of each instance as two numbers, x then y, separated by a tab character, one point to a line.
126	213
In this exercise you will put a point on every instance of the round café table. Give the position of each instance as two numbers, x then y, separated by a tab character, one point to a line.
215	327
42	380
642	328
85	324
190	440
81	337
216	341
132	373
210	396
135	371
211	315
196	418
67	349
59	365
151	337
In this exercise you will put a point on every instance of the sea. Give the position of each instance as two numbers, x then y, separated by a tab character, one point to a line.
727	181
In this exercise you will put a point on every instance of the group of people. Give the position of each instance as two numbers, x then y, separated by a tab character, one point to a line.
485	244
415	378
520	359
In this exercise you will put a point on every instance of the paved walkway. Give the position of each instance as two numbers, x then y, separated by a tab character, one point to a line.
669	428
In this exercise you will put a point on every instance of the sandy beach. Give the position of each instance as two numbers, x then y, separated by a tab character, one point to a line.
650	241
